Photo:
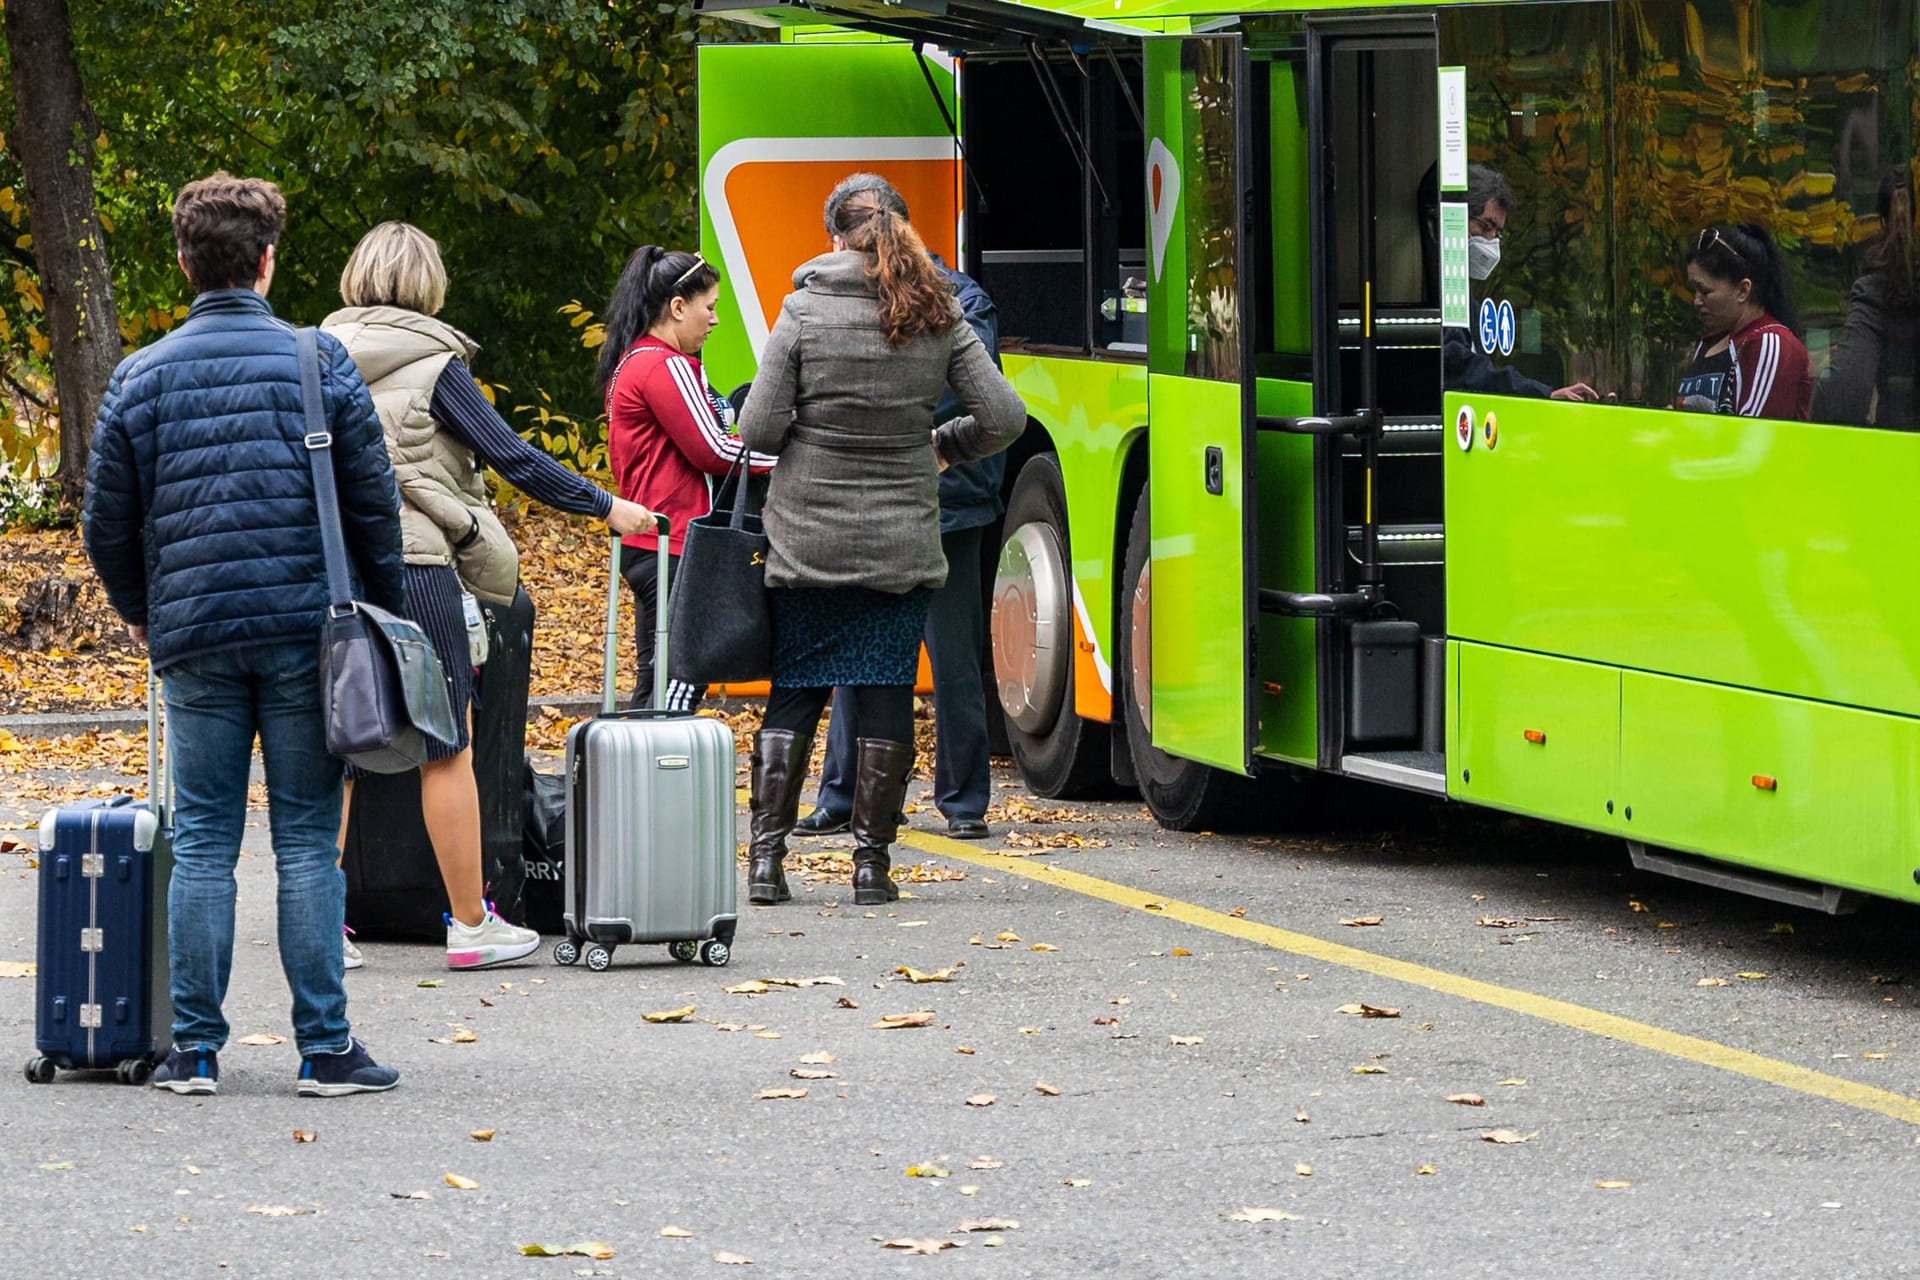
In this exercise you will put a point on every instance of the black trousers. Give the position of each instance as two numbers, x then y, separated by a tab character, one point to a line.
956	637
885	711
640	567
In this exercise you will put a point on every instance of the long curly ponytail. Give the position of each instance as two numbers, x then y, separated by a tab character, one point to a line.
914	298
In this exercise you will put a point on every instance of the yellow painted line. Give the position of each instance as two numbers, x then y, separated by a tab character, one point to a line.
1580	1018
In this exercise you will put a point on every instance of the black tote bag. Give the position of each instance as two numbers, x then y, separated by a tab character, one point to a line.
719	626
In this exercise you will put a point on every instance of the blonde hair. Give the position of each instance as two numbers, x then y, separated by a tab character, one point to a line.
395	265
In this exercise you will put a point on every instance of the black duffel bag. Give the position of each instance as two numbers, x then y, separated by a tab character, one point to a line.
543	894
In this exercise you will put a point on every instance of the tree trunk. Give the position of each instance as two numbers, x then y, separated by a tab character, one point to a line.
54	140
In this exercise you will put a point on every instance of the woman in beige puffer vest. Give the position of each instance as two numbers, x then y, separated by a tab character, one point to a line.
440	430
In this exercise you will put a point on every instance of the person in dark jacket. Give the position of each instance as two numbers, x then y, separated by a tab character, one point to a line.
956	615
201	522
863	350
1871	375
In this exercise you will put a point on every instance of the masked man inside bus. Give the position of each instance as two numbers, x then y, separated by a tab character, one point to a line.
956	623
1489	202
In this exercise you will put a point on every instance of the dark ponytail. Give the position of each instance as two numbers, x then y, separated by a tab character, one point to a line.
1892	255
652	278
1747	252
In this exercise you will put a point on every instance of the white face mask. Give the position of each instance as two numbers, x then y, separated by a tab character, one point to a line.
1483	255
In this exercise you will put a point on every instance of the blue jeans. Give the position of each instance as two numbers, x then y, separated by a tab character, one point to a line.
216	704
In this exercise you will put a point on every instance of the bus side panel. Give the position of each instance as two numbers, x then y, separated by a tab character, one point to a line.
1289	699
1536	735
1798	788
1092	410
780	124
1769	555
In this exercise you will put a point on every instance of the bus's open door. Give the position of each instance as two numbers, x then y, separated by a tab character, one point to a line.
1199	393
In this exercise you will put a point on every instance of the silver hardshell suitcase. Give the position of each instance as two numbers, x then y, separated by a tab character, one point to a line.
651	821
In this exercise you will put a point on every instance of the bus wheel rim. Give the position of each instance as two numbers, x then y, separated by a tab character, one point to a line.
1032	627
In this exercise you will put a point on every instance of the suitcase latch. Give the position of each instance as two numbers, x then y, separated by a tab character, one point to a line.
93	864
673	762
93	939
89	1015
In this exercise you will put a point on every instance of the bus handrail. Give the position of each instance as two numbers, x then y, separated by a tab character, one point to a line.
1365	422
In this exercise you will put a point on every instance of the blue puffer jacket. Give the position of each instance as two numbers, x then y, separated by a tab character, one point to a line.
970	491
200	516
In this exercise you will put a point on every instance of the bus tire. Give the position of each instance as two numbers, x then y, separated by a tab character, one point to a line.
1058	753
1183	795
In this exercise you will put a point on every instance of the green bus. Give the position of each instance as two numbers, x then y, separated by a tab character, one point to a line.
1299	495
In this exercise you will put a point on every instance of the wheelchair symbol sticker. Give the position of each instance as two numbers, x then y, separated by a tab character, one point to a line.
1489	326
1505	327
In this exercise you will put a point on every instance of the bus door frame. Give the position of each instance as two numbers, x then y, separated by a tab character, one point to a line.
1326	37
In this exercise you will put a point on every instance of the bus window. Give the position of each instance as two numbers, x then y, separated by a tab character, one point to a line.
1797	116
1055	143
1538	108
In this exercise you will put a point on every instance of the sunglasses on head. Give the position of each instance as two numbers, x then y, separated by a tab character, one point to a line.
1710	237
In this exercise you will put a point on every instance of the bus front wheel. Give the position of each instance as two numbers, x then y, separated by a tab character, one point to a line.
1058	753
1182	795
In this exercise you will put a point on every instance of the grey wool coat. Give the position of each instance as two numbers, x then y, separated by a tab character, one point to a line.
855	500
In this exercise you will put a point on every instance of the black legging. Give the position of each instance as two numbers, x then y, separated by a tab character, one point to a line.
883	710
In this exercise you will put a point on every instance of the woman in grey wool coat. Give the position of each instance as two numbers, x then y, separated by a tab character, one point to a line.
861	353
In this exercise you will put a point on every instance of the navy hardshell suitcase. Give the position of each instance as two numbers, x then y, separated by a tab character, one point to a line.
101	997
651	821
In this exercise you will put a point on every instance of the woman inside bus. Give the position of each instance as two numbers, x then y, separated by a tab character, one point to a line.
1870	380
862	351
667	433
1751	361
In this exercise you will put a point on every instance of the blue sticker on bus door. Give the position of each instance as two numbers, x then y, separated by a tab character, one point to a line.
1489	333
1506	327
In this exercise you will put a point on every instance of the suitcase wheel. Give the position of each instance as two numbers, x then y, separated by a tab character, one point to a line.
599	957
684	952
40	1070
715	952
134	1071
566	951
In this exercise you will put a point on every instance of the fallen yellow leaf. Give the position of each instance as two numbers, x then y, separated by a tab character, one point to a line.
459	1183
820	1059
1368	1011
1179	951
261	1039
1369	1070
671	1015
733	1259
890	1021
751	987
464	1035
1711	982
480	1135
1047	1090
1426	1170
1043	946
676	1233
920	1246
305	1135
1362	922
981	1100
1304	1170
769	1094
1751	977
915	975
1507	1137
1187	1040
809	1073
928	1171
1612	1186
1006	935
18	969
585	1249
1467	1099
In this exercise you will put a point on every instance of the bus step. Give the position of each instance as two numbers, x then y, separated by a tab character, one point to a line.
1831	899
1411	770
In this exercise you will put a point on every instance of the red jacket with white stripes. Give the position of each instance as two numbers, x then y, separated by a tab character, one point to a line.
1771	376
666	439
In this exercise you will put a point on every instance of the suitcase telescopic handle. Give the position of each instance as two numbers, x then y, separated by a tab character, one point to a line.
159	763
607	700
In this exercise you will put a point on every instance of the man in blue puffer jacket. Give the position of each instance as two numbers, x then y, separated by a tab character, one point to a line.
200	520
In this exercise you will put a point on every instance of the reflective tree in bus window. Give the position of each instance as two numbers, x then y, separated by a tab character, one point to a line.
1538	98
1212	186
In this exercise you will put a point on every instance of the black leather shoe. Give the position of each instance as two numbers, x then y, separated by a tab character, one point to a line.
967	829
823	822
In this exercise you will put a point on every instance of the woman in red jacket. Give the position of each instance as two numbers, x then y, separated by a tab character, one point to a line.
1752	362
668	436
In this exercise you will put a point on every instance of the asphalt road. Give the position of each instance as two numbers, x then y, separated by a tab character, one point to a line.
1201	1062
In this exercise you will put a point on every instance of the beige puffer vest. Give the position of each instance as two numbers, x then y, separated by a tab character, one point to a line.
445	517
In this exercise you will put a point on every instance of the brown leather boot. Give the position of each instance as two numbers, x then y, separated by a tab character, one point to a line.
779	765
879	787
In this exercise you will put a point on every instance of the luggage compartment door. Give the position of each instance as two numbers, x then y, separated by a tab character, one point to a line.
1204	562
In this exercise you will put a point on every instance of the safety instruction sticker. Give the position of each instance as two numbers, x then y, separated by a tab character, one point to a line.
1504	327
1456	303
1453	128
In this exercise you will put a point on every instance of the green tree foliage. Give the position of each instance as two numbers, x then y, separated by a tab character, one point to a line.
539	141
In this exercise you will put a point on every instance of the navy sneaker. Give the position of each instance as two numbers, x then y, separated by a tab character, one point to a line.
190	1071
353	1070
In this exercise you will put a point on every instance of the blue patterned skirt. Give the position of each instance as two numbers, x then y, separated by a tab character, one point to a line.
846	636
